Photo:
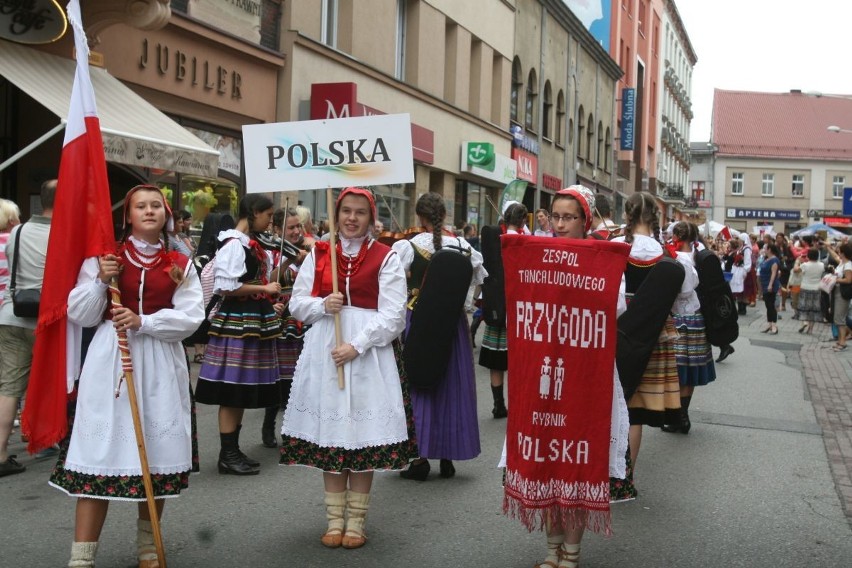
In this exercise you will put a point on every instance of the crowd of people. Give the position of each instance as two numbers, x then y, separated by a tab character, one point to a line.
256	297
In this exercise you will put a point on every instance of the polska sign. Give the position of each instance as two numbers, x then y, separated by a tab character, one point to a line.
314	154
32	21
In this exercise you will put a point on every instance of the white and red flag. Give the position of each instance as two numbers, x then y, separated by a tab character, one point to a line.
81	227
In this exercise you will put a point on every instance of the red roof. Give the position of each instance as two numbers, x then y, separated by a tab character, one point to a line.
782	125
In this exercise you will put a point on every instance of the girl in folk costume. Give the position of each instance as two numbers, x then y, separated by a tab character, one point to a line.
740	271
240	368
571	218
493	353
349	433
286	224
445	417
693	354
657	398
162	304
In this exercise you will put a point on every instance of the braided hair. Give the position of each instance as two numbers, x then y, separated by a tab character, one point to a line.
431	207
641	208
515	216
253	203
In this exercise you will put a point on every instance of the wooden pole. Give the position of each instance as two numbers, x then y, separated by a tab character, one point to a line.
127	368
338	333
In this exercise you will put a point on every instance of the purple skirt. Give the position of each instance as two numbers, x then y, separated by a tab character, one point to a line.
240	372
445	417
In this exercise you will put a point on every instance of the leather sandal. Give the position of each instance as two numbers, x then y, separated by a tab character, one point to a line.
353	539
332	538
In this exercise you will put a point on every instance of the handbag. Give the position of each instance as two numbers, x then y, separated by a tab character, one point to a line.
24	302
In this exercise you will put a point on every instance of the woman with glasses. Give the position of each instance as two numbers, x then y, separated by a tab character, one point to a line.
571	218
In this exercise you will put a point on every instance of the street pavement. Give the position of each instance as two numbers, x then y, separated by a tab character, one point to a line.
762	479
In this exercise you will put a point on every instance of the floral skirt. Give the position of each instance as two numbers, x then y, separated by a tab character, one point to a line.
391	457
116	488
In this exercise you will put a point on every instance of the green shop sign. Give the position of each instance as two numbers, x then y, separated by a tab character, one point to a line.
481	155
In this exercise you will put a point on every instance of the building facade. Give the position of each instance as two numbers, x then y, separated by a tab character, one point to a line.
174	83
675	115
447	64
777	166
562	102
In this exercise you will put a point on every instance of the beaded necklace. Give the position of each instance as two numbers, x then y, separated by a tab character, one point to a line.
349	266
144	261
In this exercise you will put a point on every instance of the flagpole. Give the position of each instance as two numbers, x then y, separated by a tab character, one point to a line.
338	334
127	369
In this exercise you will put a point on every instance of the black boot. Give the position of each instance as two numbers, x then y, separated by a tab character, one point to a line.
499	410
250	462
267	431
230	460
684	424
741	308
447	468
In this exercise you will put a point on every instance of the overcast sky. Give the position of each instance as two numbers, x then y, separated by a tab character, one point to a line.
767	45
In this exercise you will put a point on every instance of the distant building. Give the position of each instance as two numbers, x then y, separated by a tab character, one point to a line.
776	161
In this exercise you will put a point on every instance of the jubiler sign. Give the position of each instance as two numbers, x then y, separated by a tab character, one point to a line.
314	154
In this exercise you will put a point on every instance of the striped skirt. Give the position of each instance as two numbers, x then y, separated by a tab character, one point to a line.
657	398
493	352
693	355
809	306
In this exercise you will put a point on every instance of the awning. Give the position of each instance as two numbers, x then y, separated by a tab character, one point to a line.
133	130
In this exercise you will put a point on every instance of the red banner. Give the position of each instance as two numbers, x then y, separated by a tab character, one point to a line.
561	297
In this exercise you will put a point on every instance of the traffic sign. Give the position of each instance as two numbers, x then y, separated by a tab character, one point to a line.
847	200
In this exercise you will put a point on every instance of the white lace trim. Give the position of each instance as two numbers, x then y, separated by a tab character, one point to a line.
345	444
87	429
374	470
129	471
103	498
618	432
386	414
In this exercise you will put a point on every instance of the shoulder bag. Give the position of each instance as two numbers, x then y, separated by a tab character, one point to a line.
24	302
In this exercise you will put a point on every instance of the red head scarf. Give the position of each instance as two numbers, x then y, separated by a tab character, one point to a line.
357	191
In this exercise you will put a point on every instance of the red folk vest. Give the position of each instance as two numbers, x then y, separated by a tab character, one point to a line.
360	290
157	293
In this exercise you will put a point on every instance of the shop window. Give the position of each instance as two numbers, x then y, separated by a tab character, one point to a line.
201	196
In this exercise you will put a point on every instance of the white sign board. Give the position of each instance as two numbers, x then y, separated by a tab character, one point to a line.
318	154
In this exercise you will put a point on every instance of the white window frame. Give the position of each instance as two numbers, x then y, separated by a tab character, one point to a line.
767	185
737	181
837	185
798	179
329	21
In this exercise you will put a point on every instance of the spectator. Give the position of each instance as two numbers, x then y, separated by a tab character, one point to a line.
10	216
542	217
307	222
16	334
469	233
602	217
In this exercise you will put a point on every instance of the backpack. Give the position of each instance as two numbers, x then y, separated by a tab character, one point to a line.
717	302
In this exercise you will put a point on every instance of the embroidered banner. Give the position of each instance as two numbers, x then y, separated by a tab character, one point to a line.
561	300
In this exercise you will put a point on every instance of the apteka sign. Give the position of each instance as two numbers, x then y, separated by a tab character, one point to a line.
315	154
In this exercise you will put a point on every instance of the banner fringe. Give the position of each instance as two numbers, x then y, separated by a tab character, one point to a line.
566	516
